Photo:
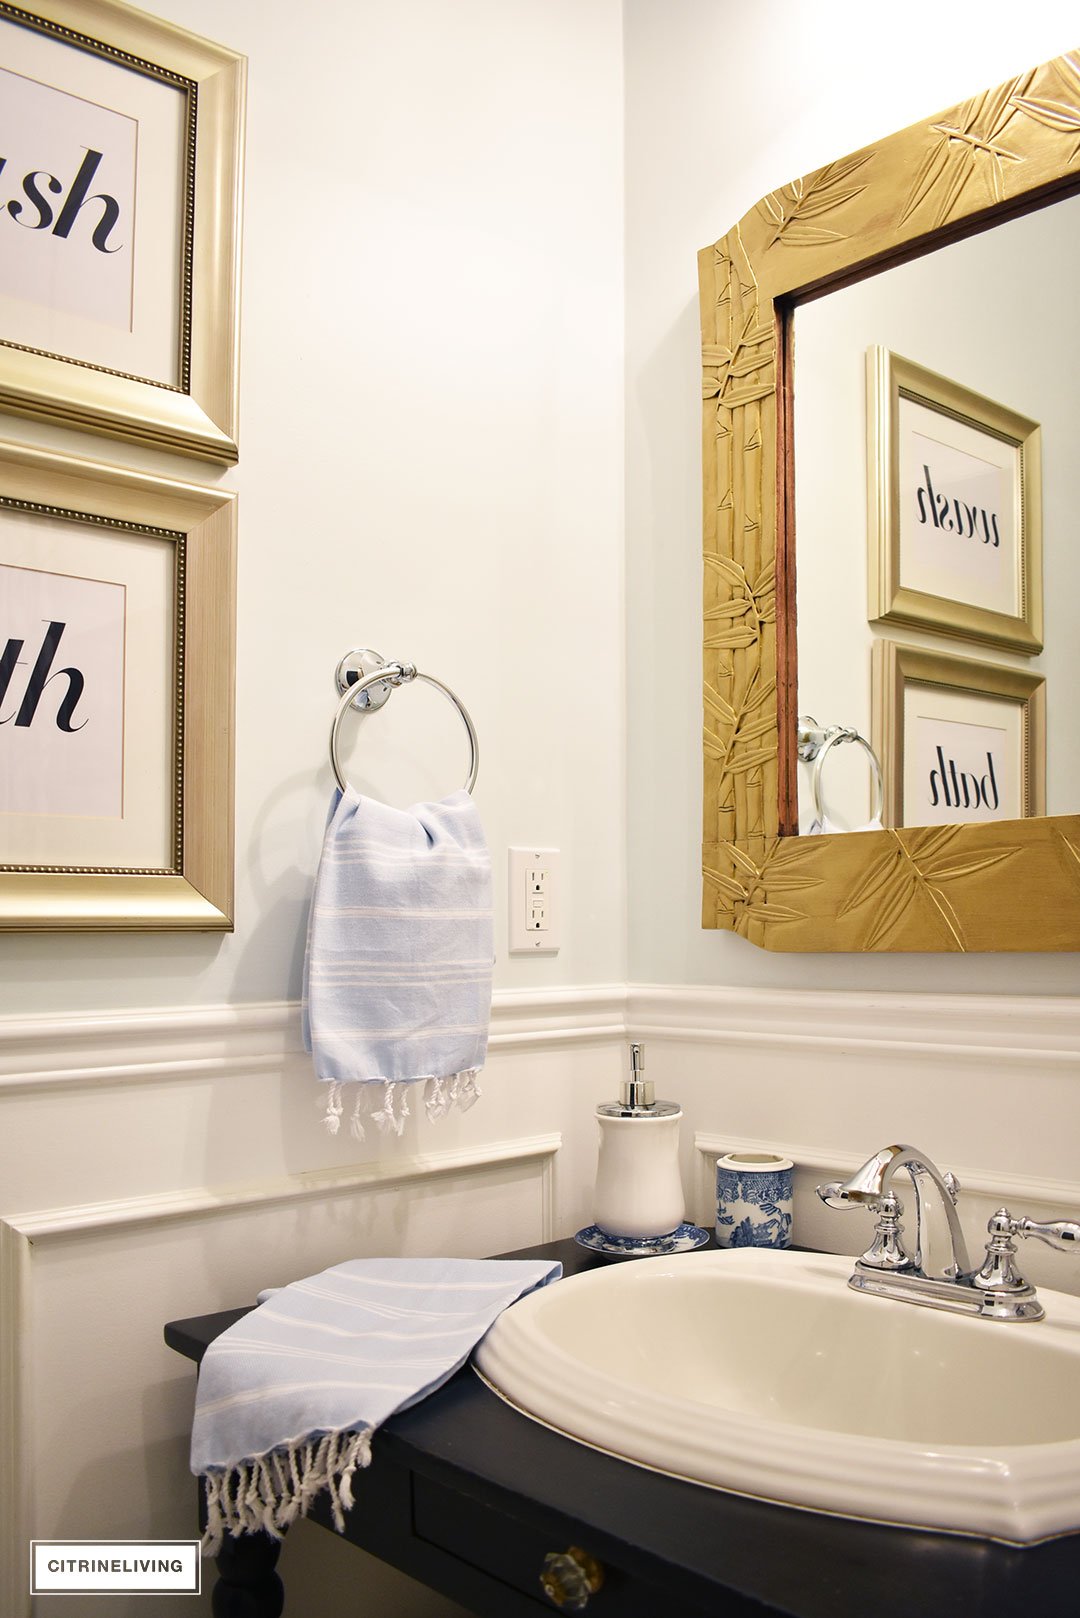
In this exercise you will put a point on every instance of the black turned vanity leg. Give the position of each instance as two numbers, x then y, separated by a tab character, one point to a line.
247	1585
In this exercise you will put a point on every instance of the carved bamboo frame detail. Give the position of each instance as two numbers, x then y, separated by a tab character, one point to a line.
1009	885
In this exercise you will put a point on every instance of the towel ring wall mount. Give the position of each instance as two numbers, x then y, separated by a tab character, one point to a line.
366	679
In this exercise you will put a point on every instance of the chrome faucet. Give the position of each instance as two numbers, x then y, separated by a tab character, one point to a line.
938	1274
940	1249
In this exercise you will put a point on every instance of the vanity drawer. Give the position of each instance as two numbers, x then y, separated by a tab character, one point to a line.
512	1551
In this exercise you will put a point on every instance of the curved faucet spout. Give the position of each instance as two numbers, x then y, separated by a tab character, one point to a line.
939	1253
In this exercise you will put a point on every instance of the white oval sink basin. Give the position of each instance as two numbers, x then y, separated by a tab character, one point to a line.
761	1372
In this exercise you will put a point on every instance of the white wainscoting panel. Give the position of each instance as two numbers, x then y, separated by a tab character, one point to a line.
167	1164
171	1164
988	1086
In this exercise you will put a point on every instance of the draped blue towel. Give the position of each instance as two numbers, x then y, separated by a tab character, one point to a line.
397	977
289	1396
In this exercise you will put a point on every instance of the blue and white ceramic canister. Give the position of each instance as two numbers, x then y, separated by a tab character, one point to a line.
753	1200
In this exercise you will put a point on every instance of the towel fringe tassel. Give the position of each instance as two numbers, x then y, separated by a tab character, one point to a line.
388	1107
334	1109
268	1493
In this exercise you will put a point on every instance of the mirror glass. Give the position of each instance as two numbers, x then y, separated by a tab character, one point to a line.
997	314
935	411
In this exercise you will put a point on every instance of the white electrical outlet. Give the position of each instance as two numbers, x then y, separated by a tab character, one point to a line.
535	913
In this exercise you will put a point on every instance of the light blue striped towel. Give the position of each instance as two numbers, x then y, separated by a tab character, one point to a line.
397	978
289	1396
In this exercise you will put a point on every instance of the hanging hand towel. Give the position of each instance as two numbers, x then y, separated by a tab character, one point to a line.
397	979
289	1396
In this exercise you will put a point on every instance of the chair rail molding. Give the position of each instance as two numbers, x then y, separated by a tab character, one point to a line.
136	1047
1003	1030
43	1053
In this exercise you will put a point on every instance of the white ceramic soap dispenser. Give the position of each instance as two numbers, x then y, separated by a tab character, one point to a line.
638	1190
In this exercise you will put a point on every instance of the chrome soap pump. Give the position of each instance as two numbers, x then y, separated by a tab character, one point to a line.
638	1190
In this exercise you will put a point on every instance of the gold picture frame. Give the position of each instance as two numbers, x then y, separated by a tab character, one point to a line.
175	388
994	774
57	502
995	546
943	177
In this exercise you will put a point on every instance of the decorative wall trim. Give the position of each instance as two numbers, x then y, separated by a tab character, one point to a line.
1008	1030
48	1053
21	1234
48	1056
1054	1196
222	1041
14	1438
542	1018
215	1042
94	1218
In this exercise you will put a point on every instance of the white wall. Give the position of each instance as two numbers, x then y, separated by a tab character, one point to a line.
430	461
723	103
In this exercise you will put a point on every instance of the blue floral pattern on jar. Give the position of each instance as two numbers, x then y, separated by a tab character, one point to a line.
753	1204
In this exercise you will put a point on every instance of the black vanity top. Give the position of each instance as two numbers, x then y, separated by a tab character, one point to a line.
677	1550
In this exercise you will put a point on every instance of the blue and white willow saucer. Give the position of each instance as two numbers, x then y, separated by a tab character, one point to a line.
682	1240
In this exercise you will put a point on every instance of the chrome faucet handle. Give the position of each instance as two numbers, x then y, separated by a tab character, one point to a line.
833	1195
837	1195
952	1185
886	1251
1062	1234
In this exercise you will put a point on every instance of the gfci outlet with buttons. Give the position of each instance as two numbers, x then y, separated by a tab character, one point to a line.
535	911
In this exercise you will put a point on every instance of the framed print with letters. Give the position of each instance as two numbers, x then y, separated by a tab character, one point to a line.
120	175
959	740
955	508
116	681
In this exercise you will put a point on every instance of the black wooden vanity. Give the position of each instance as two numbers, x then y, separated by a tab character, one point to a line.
469	1496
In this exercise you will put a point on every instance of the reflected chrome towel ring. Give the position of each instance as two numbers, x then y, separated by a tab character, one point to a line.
370	687
814	742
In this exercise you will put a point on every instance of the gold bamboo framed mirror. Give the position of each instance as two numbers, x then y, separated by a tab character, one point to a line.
966	886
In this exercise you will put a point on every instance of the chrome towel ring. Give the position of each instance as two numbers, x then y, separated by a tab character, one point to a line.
814	742
369	687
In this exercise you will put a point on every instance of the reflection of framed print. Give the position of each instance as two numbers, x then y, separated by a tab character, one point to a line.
958	739
116	678
955	504
120	141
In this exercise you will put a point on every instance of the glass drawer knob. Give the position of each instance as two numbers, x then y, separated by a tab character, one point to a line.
570	1577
